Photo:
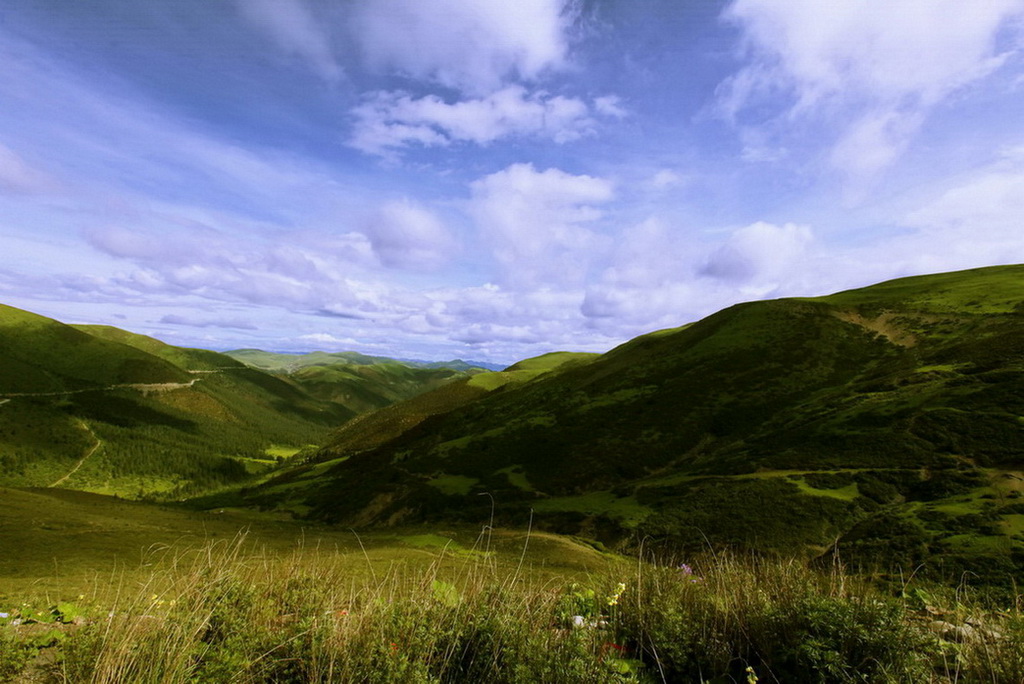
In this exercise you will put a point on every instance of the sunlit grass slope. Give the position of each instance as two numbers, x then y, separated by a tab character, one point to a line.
886	419
105	410
191	359
43	355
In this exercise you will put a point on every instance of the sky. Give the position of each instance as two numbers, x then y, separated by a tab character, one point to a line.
494	180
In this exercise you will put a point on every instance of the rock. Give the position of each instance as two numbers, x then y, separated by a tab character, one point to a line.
951	632
971	631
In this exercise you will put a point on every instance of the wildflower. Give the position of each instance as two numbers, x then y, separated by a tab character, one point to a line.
686	571
613	600
4	616
751	675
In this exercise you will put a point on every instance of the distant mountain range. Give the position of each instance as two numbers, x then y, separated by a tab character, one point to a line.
885	423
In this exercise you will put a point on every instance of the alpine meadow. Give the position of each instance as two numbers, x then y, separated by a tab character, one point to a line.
531	342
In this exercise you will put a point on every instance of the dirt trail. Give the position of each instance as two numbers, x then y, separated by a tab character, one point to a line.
88	453
144	387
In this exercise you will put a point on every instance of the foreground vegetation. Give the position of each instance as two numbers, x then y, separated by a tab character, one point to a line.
223	613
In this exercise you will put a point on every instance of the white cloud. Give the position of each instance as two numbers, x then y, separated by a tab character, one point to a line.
330	341
646	279
467	45
19	177
536	222
610	105
659	278
875	71
194	322
389	120
291	25
759	256
974	223
404	235
666	178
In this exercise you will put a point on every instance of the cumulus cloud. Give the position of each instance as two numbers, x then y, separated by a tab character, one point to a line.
875	70
331	341
610	105
405	235
760	255
537	222
391	120
172	257
645	279
466	45
657	278
292	26
974	223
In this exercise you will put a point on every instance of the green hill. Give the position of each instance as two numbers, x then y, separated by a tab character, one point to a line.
288	489
356	381
42	355
886	421
274	361
101	409
190	359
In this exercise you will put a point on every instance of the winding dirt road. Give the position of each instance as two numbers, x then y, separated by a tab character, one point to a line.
90	452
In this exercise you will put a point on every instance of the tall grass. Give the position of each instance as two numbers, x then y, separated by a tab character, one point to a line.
221	615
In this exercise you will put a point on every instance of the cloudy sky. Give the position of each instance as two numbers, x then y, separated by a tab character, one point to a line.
489	179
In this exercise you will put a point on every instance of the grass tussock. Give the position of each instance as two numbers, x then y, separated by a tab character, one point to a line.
222	616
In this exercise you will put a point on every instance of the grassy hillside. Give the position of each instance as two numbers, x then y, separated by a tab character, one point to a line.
289	488
42	355
885	420
275	361
356	381
105	410
192	359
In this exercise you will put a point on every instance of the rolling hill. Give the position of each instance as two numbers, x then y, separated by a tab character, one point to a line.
356	381
885	423
101	409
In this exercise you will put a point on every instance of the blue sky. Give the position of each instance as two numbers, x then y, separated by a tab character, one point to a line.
494	180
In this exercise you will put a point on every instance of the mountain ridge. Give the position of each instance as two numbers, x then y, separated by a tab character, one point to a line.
781	424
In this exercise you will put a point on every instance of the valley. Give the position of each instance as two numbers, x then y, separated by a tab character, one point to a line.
876	432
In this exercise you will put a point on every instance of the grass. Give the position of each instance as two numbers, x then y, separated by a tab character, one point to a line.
110	590
624	509
453	484
280	451
517	478
225	611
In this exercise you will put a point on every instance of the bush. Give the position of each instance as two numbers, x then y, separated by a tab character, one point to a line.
14	655
784	621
